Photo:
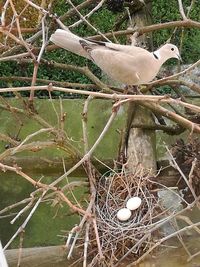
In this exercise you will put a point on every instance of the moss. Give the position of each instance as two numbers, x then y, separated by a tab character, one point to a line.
30	16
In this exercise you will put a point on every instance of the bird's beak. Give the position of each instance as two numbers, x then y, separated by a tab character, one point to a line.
179	57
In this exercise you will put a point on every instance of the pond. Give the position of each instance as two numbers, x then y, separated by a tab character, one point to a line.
50	215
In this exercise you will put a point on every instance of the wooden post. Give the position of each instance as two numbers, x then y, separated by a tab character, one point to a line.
140	142
40	256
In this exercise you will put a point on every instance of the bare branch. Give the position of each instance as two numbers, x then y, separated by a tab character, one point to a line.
181	10
4	9
29	137
175	75
172	24
182	174
88	15
8	58
72	11
87	22
22	227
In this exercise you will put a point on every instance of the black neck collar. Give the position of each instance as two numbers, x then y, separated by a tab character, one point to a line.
154	54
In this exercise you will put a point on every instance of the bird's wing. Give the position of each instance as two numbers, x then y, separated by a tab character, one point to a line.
71	42
129	49
128	69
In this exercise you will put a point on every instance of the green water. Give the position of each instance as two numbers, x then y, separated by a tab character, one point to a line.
51	215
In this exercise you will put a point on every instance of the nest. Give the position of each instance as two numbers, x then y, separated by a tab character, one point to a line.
120	240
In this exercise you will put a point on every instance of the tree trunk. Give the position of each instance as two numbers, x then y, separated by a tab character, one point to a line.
141	142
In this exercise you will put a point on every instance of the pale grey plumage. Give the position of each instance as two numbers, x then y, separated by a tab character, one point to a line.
128	64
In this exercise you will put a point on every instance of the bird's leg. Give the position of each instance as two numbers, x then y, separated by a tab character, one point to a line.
135	90
132	89
126	89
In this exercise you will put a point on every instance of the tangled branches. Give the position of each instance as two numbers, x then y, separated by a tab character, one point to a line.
188	159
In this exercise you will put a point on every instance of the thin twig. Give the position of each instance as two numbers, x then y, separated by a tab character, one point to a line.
3	13
182	174
186	228
97	239
97	7
193	256
29	137
27	207
181	10
8	58
22	227
37	62
84	123
24	201
176	75
87	22
19	29
86	243
36	7
78	228
20	248
146	29
89	153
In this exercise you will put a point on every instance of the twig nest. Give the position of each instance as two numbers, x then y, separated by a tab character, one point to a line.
133	203
123	214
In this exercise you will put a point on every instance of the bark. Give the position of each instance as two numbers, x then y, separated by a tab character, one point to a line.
141	143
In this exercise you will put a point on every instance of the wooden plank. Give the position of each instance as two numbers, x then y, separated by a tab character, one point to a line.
52	256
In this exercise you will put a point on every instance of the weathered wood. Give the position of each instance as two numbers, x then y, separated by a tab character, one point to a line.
141	143
41	256
141	146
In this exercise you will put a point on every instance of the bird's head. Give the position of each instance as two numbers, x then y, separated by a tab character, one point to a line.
170	51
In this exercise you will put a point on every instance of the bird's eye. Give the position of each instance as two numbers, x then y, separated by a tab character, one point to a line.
172	49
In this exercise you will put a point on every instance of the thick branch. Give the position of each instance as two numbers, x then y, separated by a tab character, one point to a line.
171	130
83	70
8	139
173	116
193	86
155	27
125	98
45	81
72	11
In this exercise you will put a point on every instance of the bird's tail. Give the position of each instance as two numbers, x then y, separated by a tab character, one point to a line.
69	41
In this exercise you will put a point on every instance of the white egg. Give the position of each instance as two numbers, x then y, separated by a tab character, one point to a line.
133	203
123	214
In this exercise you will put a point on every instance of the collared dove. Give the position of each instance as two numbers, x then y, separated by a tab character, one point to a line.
127	64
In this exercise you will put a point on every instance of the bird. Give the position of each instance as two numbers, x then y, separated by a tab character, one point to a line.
127	64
